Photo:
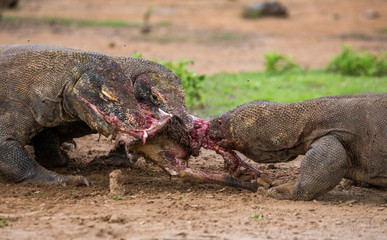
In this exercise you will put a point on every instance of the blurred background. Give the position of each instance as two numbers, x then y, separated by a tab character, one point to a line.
226	51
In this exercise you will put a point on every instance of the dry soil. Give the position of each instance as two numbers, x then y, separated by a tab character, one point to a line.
156	207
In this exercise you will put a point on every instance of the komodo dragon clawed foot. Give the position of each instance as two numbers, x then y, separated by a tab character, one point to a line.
48	151
18	165
284	191
42	175
322	168
75	181
116	157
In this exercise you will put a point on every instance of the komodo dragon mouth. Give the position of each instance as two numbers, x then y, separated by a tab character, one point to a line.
170	149
153	122
234	165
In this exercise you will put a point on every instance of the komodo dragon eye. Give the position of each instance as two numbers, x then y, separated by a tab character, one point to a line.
107	94
157	98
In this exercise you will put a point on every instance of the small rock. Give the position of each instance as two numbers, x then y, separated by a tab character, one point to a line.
346	184
117	183
264	9
261	191
370	13
271	166
183	234
351	202
9	3
339	223
117	219
112	45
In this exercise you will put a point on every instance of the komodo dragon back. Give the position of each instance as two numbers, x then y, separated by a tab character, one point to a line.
340	136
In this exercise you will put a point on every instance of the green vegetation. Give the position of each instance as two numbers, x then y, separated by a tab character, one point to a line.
251	14
192	82
78	22
4	222
107	23
277	63
224	91
382	30
118	197
283	81
225	36
259	217
47	20
63	21
358	63
164	23
136	55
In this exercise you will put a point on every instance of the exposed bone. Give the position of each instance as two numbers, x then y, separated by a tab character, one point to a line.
117	183
197	176
144	137
172	157
163	113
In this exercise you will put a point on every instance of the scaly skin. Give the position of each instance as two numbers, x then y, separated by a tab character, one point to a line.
44	87
170	149
340	136
155	87
234	165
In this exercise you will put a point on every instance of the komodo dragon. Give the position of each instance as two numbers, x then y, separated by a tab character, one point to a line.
341	136
69	91
155	87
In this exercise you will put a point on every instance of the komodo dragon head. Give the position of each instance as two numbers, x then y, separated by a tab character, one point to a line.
221	129
163	90
156	86
104	98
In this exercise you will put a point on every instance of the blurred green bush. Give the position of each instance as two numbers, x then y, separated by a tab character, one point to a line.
192	82
277	63
358	63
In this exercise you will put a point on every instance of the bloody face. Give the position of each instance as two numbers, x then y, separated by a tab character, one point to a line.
104	99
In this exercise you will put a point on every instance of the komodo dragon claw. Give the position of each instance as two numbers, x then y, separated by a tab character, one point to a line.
76	181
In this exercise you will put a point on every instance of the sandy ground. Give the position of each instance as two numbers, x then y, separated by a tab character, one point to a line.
212	33
155	206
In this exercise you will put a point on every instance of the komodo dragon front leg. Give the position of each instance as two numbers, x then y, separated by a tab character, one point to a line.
47	149
18	165
322	168
48	143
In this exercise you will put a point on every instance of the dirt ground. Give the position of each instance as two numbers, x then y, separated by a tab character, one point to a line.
156	207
